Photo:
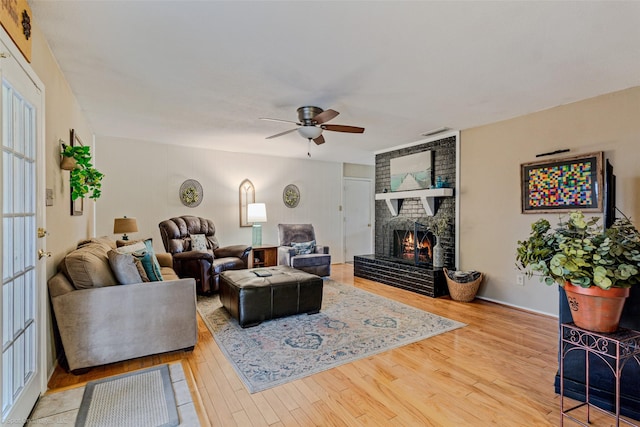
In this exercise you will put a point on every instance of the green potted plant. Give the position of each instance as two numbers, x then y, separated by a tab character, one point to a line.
594	265
84	178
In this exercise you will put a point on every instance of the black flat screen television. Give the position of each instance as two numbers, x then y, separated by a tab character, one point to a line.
609	195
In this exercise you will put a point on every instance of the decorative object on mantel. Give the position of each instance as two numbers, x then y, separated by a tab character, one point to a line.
84	178
125	225
191	193
562	185
589	262
291	196
247	195
463	285
441	182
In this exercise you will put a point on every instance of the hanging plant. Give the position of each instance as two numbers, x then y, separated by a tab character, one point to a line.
84	177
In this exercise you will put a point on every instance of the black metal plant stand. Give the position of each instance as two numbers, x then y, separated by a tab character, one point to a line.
615	349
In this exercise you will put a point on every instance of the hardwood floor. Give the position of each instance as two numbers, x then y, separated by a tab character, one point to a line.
498	370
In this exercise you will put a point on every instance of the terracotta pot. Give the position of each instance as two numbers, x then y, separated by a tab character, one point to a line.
594	308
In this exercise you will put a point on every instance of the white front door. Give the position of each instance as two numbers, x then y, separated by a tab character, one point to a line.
22	212
357	218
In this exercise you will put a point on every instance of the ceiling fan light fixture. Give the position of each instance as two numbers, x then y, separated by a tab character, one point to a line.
312	121
310	132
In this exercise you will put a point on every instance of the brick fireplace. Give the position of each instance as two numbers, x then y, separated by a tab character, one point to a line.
403	245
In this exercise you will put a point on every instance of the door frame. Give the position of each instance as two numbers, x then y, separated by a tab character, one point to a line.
40	182
371	213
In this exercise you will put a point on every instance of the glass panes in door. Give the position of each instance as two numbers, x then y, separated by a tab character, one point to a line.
18	245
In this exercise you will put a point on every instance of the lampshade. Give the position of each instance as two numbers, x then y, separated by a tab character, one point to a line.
256	212
125	225
310	132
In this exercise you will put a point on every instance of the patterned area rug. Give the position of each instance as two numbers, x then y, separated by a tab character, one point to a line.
351	325
142	398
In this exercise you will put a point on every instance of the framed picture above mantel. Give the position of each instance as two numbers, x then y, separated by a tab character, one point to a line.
563	184
411	172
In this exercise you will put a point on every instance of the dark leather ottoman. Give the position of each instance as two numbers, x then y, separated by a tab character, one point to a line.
282	291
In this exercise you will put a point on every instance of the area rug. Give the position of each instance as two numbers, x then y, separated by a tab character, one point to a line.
137	399
352	324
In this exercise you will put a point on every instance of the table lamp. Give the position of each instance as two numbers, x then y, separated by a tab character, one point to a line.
256	212
125	225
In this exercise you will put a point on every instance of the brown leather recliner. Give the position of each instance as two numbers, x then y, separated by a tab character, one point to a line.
205	266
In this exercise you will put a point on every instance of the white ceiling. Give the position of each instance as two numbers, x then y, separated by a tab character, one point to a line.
201	73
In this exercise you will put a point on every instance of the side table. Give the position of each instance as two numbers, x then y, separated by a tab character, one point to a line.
615	349
263	256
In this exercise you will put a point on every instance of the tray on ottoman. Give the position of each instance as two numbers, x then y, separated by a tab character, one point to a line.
254	295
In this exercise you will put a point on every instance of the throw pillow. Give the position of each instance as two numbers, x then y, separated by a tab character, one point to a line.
143	250
88	267
124	268
198	242
140	267
152	263
303	248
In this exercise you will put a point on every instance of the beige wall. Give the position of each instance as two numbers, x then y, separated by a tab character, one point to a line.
359	171
61	114
490	218
142	180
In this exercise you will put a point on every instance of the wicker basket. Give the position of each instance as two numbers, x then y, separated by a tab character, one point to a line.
464	292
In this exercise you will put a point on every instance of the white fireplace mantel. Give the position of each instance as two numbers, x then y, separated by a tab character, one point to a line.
426	196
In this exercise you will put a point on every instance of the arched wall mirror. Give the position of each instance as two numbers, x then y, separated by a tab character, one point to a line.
247	194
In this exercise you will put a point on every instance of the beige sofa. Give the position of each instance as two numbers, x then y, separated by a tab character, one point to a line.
101	321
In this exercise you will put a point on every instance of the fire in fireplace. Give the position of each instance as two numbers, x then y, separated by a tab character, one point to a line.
413	245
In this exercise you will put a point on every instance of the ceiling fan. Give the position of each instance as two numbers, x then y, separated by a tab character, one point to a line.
312	121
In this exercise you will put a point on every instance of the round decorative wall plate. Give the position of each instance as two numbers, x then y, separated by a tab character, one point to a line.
291	196
191	193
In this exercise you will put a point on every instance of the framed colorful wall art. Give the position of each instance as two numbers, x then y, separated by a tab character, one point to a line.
563	185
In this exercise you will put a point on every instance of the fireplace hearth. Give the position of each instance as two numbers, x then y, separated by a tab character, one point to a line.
404	275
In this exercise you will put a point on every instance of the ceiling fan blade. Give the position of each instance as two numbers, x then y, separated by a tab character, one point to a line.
343	128
319	140
282	133
325	116
280	120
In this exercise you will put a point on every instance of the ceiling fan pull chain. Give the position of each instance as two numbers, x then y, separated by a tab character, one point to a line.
309	148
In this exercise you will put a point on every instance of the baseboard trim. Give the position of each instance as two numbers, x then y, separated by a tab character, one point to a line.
517	307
